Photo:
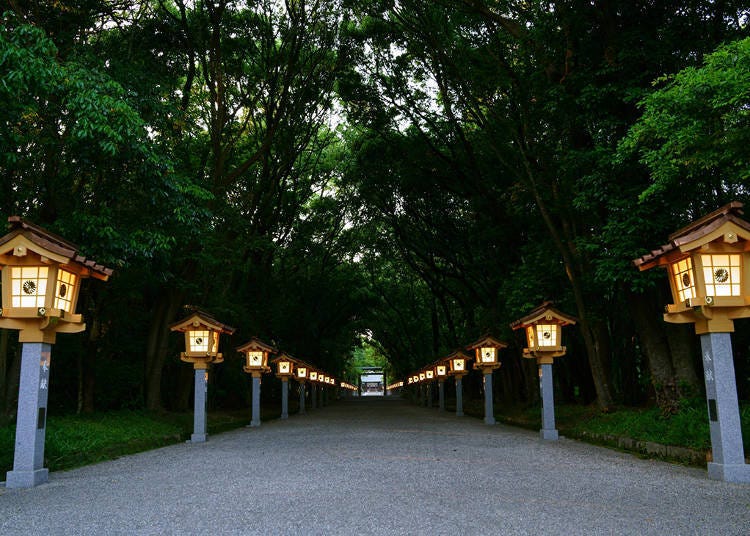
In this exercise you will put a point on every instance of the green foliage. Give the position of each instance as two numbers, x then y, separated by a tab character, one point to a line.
72	441
695	129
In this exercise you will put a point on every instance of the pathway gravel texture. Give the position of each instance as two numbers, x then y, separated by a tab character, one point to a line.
379	466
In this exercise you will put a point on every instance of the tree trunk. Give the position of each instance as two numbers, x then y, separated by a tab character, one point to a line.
185	382
158	344
649	327
682	345
90	363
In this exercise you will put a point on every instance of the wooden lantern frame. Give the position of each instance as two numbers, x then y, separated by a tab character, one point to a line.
250	350
458	363
708	262
201	322
41	281
286	366
484	346
544	319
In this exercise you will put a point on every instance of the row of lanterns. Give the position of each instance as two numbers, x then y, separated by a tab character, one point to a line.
708	262
202	350
544	342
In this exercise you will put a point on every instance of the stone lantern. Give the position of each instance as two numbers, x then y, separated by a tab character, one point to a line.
41	279
486	360
313	375
458	368
202	350
300	373
284	370
429	376
441	372
543	328
256	364
708	265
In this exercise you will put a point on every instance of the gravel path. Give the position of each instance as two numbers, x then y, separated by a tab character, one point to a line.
379	466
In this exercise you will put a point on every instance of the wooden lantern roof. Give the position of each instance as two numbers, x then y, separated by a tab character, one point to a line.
723	224
26	236
456	354
544	313
487	341
201	319
256	345
283	356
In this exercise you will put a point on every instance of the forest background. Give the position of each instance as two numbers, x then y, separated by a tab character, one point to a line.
398	178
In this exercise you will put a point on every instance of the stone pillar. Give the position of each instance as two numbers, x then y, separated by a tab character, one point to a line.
199	410
441	395
428	396
723	410
301	398
284	398
489	408
31	423
256	401
322	394
313	395
459	397
546	389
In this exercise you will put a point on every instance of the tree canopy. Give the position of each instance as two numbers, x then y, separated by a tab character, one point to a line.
409	174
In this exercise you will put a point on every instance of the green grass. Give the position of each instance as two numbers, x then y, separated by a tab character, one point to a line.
75	440
688	428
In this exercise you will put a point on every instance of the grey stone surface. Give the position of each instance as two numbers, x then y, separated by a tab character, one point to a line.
255	419
546	388
200	385
723	409
284	398
379	466
489	406
31	423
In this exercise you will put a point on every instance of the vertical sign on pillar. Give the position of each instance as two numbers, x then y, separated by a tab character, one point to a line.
285	398
199	414
546	387
28	461
723	412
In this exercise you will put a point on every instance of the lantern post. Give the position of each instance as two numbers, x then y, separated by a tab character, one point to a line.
458	363
256	364
284	370
422	389
300	374
486	360
708	263
313	375
429	375
202	350
441	372
543	328
41	276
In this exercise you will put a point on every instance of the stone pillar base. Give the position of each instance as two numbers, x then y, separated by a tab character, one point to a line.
489	420
26	479
198	438
550	435
739	473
